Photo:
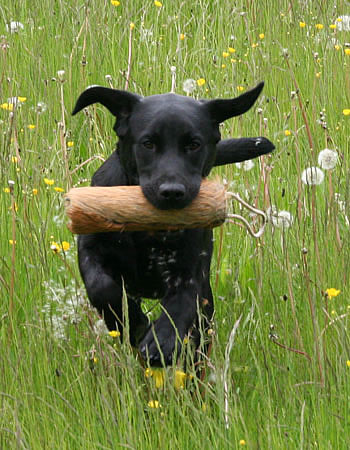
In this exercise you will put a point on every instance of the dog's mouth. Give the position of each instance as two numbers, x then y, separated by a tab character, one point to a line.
168	196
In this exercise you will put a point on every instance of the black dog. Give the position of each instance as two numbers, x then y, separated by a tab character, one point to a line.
167	144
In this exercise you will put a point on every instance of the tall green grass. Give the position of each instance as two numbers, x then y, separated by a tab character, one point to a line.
285	382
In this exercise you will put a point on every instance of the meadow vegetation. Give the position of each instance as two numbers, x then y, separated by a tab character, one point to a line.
278	374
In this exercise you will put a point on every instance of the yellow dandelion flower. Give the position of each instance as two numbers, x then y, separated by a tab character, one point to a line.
332	26
148	372
114	333
346	112
159	377
154	404
225	54
158	4
318	74
201	82
48	181
261	36
337	47
7	190
115	2
7	106
35	191
240	88
31	126
347	51
231	50
287	132
331	292
339	19
132	25
12	242
14	159
58	189
180	379
182	37
242	442
65	246
70	144
348	363
223	66
22	99
302	24
95	360
319	26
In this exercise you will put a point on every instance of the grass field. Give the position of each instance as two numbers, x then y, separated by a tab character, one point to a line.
278	375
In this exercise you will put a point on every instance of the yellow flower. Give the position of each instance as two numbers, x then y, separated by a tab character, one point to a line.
158	4
318	74
65	246
233	60
35	191
22	99
179	380
225	54
347	51
7	106
14	159
182	37
201	82
261	36
332	26
255	45
337	47
231	50
331	292
348	363
346	112
319	26
7	190
115	2
287	132
240	88
11	242
132	25
58	189
159	377
70	144
31	126
95	360
157	374
242	442
154	404
48	181
114	333
302	24
223	66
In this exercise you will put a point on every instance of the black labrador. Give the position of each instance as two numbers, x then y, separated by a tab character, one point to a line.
167	144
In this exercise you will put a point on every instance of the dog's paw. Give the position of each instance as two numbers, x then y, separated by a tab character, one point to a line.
159	345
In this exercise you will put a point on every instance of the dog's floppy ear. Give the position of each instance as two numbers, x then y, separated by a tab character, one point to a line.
119	103
222	109
237	150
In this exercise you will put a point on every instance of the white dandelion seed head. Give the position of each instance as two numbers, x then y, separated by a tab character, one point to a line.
279	219
312	175
327	159
41	107
189	85
245	165
61	75
14	27
344	23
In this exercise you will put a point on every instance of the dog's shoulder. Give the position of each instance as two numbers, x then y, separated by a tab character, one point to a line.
110	173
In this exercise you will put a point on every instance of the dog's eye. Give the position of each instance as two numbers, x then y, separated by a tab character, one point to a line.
193	146
148	144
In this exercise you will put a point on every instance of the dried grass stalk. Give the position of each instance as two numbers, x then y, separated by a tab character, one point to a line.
125	208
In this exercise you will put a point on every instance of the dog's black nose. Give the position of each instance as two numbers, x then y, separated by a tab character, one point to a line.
172	191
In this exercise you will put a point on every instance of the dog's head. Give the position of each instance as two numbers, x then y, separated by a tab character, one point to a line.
167	142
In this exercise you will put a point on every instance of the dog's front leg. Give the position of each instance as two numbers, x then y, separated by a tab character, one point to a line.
165	336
